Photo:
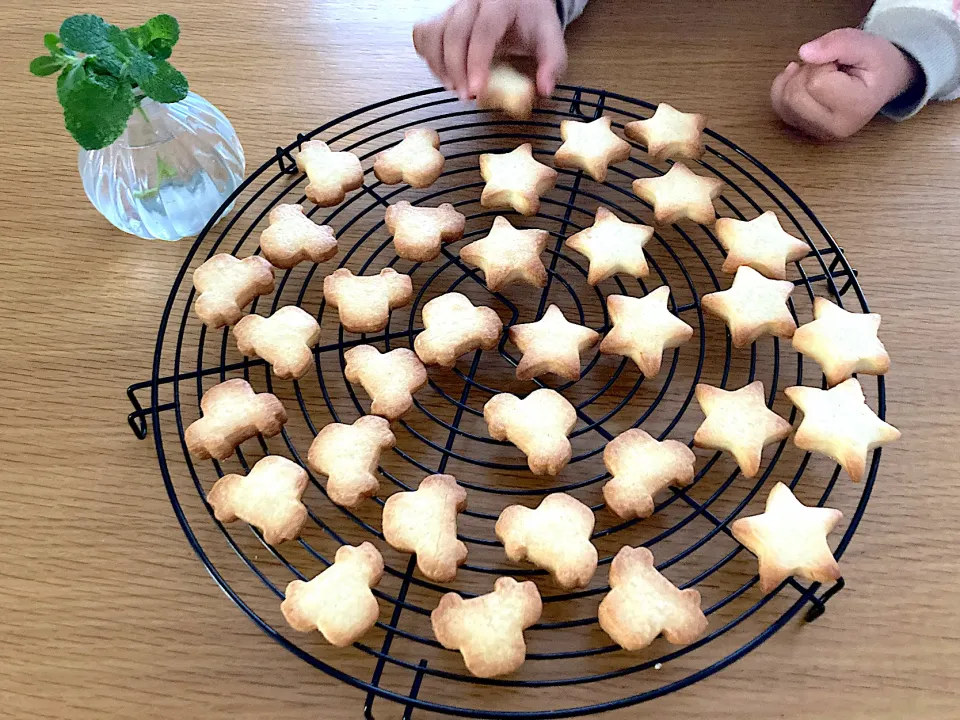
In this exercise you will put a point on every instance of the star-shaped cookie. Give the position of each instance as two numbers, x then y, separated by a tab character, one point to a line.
552	344
591	147
680	194
508	255
739	422
515	180
612	246
670	133
642	466
789	538
839	423
752	307
842	343
760	243
643	328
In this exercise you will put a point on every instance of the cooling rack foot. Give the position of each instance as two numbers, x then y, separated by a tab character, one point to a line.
820	603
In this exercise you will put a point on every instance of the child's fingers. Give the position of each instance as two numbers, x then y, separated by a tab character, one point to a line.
806	113
845	46
456	37
428	42
488	30
832	88
780	82
551	56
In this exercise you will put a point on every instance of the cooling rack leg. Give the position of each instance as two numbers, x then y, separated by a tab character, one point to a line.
138	418
819	603
414	689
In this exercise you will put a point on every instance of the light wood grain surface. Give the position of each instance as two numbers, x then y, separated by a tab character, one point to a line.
106	612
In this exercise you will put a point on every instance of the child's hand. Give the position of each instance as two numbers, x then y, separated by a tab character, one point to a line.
846	77
460	44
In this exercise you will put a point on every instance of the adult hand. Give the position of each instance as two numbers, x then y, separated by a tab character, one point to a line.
843	81
460	44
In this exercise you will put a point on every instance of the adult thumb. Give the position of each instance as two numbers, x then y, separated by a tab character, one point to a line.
843	47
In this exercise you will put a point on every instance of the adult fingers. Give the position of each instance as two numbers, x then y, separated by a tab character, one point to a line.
551	53
428	42
846	46
489	29
456	37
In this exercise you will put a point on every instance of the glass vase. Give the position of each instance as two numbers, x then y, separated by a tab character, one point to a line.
168	173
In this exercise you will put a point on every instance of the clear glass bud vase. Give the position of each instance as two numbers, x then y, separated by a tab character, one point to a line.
168	173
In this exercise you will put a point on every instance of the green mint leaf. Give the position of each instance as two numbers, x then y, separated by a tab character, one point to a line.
51	42
96	108
45	65
85	33
157	36
166	85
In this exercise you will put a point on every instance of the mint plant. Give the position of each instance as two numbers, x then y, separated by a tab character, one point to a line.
105	73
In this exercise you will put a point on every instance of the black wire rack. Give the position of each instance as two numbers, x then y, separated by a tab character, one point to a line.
572	668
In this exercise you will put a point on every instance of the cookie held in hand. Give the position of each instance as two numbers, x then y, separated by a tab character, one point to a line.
508	255
416	160
680	195
552	344
488	630
612	246
452	326
555	537
285	340
789	539
292	238
348	455
753	306
338	601
538	425
641	467
232	413
419	231
365	301
390	379
515	180
590	146
330	174
839	423
425	522
267	498
670	134
226	285
739	422
642	604
510	91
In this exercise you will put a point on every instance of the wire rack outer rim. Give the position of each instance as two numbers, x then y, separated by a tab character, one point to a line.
409	700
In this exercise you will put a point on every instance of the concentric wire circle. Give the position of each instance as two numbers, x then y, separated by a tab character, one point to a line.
689	535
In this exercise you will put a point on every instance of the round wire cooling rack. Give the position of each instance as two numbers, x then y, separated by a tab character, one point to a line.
572	667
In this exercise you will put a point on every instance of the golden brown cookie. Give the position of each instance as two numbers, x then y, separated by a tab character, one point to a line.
642	604
839	423
365	301
739	422
590	146
338	601
552	344
670	133
232	413
555	537
842	342
348	455
538	425
510	91
753	306
418	231
452	326
330	174
515	180
761	243
488	630
226	285
643	328
680	195
425	522
789	539
416	160
508	255
390	379
292	238
612	246
641	467
285	340
268	498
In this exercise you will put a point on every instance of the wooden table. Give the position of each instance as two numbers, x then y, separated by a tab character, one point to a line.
107	613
